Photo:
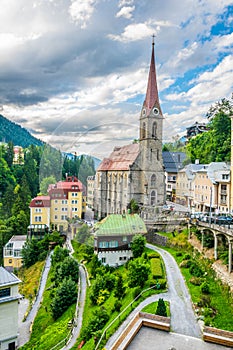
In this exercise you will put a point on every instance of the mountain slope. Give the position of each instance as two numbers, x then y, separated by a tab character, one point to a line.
10	131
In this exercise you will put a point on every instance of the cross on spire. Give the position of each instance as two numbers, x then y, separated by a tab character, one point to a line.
153	39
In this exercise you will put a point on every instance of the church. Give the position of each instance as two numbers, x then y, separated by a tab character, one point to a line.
135	171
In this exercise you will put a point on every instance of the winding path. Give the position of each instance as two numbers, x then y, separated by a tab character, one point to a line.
183	320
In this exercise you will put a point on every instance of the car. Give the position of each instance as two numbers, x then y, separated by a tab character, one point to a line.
224	220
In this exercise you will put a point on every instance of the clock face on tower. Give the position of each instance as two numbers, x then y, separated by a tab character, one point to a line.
155	111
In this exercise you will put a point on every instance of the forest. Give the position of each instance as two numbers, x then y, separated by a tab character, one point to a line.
19	183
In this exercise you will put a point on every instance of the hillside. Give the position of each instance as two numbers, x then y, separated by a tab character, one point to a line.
10	131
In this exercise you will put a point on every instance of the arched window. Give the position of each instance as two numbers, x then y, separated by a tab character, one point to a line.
143	130
153	180
154	130
152	198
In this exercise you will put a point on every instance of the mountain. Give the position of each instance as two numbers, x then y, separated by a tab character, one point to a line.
97	161
10	131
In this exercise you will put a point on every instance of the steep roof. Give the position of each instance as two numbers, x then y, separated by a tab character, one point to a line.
172	161
7	278
40	201
152	96
121	158
118	225
18	241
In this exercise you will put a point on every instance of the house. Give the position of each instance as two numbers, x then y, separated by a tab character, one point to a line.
90	191
113	236
135	171
65	200
9	297
173	162
12	252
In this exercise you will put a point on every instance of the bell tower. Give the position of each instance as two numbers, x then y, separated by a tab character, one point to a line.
150	143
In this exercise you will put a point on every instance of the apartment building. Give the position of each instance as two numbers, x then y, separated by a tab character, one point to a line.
12	252
66	200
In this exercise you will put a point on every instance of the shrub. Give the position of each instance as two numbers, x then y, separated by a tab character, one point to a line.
117	305
136	292
179	254
195	270
163	283
187	257
156	268
196	281
153	255
205	288
161	308
186	263
97	322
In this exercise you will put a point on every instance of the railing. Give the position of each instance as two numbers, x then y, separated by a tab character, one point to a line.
116	318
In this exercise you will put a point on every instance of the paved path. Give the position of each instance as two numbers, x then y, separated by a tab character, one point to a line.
24	327
183	320
80	303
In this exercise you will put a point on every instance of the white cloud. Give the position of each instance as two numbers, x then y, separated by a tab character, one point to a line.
125	2
126	12
81	11
134	32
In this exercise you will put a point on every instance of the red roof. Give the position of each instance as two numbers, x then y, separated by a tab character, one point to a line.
121	158
40	201
152	96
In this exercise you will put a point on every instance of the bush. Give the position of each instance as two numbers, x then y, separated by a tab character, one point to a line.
187	257
156	268
163	283
161	308
97	322
153	255
136	292
205	288
117	305
179	254
196	281
195	270
186	263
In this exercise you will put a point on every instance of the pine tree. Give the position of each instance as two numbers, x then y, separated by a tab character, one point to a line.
161	308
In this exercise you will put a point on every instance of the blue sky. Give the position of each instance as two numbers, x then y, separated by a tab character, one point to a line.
74	72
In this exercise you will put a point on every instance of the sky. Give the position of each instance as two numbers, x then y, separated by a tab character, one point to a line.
74	72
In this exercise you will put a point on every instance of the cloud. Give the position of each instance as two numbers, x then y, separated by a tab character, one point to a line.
134	32
126	12
81	11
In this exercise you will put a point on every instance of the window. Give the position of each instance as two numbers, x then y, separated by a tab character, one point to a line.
153	180
103	260
154	130
74	194
64	209
74	209
143	130
55	217
152	198
63	217
5	292
38	210
64	201
103	244
113	244
38	219
74	201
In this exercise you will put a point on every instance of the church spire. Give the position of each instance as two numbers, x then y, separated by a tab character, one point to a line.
152	96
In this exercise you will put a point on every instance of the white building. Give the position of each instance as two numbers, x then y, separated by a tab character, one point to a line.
9	297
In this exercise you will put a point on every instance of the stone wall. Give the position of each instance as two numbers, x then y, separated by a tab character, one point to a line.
154	238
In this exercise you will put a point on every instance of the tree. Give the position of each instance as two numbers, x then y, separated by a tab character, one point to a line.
30	252
65	296
83	234
59	254
138	273
69	267
161	308
119	288
45	182
215	144
138	245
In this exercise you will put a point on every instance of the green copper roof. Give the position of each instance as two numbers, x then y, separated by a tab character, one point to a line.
117	224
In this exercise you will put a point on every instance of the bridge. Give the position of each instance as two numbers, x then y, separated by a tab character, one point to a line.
216	230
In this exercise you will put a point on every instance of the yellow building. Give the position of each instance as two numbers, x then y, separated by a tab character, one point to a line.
66	200
12	252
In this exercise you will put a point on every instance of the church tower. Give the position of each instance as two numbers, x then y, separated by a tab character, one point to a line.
150	144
